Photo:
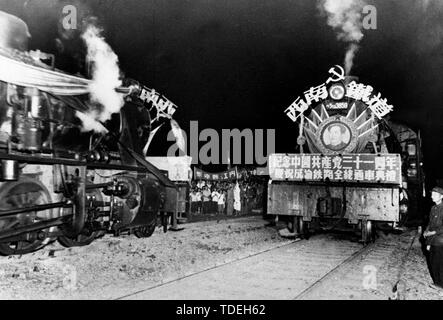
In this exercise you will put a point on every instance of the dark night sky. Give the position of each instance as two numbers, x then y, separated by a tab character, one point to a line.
240	63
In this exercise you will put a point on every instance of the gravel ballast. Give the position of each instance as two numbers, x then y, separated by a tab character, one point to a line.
114	267
111	267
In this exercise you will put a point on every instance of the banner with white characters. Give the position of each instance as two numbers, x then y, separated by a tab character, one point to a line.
231	174
164	107
365	168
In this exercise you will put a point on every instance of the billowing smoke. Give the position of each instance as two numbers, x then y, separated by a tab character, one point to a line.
90	123
105	74
428	26
345	17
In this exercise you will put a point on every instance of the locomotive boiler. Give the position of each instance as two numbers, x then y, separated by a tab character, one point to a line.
57	180
355	168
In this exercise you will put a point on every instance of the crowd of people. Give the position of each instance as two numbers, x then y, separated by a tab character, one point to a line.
232	198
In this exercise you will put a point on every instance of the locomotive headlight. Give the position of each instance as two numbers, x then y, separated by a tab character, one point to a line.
337	91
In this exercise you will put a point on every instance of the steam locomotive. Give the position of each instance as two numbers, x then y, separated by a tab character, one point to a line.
57	181
356	168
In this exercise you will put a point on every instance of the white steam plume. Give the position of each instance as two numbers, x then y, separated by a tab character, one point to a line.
349	57
105	74
89	122
345	17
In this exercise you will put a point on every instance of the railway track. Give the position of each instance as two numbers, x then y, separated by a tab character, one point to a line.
171	282
373	272
330	274
313	269
323	267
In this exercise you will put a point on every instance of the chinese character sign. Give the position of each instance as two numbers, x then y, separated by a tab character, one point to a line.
354	90
369	168
165	108
221	176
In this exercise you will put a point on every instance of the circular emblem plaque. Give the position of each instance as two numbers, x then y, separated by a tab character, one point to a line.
337	91
337	135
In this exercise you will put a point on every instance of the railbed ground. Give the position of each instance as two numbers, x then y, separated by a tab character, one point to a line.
114	267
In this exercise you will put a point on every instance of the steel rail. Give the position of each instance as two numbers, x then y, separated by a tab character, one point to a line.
206	270
348	260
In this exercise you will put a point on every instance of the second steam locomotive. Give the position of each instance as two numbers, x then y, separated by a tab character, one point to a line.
359	169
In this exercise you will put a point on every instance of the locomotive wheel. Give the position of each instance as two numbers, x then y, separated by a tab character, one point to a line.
80	240
146	231
85	237
18	194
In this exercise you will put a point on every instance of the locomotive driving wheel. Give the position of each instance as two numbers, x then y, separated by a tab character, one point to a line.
18	194
88	234
82	239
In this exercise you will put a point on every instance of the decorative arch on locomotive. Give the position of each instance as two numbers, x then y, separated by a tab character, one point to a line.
349	166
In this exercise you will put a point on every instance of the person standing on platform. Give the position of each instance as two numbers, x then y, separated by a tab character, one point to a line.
206	200
237	200
244	199
214	197
230	200
194	201
434	238
251	196
221	202
259	200
199	196
225	194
